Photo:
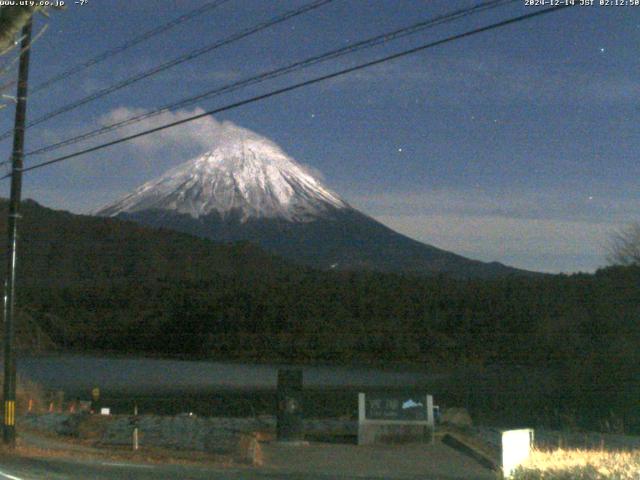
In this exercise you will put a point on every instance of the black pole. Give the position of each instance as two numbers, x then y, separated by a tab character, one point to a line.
9	387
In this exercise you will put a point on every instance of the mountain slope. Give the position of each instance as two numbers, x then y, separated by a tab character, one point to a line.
250	190
58	248
88	282
345	240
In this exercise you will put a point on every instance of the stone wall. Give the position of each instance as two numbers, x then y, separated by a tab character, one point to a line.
182	432
215	435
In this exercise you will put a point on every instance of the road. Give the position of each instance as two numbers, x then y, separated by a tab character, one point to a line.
21	468
313	462
44	457
59	469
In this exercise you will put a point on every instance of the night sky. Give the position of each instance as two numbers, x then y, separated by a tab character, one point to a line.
518	145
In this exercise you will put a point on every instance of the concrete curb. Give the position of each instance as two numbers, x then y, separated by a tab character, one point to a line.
458	443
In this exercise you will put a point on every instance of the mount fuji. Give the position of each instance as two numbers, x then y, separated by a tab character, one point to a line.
248	189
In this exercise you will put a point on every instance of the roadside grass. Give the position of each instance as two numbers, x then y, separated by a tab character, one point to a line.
81	450
36	443
563	464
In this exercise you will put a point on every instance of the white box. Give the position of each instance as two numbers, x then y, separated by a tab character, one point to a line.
516	448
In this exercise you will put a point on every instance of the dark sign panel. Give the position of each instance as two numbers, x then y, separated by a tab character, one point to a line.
396	407
290	425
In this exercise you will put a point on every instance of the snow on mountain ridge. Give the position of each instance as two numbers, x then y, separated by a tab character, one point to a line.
251	177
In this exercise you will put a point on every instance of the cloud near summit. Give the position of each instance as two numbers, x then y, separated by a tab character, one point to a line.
196	136
181	143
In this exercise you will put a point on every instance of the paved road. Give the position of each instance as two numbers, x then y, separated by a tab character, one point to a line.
58	469
16	468
410	461
314	461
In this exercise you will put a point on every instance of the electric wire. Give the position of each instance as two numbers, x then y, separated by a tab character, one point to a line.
299	85
172	63
125	46
268	75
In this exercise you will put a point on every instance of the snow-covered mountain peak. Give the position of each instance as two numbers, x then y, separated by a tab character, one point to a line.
247	177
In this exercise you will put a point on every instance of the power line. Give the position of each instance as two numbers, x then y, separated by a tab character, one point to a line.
368	43
125	46
176	61
297	86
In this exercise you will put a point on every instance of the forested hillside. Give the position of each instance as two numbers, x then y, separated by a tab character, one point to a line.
92	283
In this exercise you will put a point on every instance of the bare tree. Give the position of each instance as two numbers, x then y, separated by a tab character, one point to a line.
624	246
12	19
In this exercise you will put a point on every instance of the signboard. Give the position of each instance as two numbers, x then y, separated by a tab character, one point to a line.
396	407
394	416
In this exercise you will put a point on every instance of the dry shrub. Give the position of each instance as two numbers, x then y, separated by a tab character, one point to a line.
27	390
248	450
458	417
580	465
92	427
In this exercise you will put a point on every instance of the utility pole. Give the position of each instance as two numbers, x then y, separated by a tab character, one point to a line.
9	386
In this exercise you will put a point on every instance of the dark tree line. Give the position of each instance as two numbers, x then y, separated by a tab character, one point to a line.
96	284
583	329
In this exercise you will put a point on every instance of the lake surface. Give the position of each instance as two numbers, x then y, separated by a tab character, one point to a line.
208	388
144	375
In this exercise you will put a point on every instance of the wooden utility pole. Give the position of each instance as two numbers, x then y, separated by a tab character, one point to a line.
9	387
